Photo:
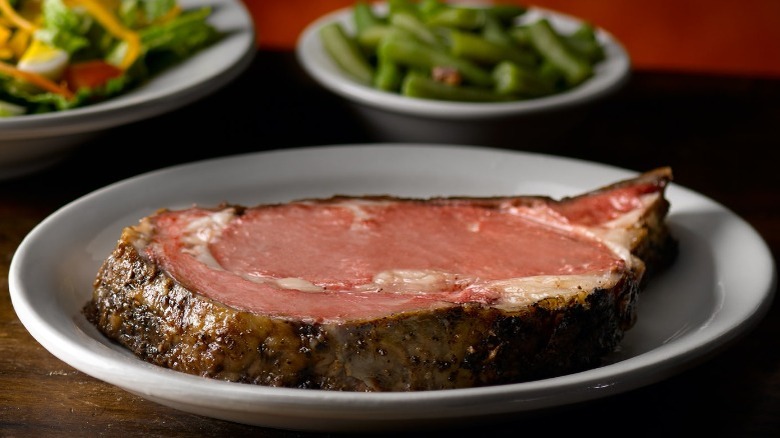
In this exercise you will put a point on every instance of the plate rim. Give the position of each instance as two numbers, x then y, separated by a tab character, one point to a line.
372	410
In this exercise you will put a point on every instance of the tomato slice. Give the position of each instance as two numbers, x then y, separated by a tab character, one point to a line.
90	74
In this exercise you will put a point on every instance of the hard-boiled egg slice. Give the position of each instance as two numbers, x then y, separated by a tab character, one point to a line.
43	59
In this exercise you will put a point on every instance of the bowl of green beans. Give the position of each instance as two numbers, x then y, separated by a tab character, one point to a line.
444	72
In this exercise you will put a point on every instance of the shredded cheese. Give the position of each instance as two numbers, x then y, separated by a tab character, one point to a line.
10	13
6	22
19	42
5	35
109	21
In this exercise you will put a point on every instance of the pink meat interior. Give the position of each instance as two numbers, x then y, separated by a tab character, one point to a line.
340	248
334	248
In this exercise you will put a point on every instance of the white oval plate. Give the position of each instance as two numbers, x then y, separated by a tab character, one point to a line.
28	142
609	75
719	288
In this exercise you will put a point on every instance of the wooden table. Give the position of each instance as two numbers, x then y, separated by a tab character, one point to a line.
720	134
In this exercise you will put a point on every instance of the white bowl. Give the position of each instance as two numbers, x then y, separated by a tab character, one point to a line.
31	142
393	117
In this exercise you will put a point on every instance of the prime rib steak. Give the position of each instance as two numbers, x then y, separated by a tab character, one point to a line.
382	293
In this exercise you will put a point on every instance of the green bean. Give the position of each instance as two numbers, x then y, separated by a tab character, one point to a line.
364	17
552	75
369	27
495	32
410	52
402	6
346	52
412	24
506	14
388	75
553	48
416	85
427	8
370	37
513	80
521	35
583	41
457	17
475	48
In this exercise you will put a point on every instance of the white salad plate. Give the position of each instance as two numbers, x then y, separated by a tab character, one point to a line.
719	288
31	142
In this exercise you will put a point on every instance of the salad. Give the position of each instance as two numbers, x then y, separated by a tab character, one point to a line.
57	55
